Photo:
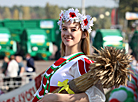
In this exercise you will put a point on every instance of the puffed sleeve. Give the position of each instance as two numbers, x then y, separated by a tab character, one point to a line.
81	67
95	95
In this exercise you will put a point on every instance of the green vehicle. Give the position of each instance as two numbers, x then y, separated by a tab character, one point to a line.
1	23
7	46
108	37
15	27
134	43
17	30
35	42
52	29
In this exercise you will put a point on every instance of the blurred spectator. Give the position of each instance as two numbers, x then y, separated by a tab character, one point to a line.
30	63
20	63
134	61
13	67
92	35
55	49
5	65
1	92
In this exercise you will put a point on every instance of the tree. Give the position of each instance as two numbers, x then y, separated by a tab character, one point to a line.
0	16
37	12
16	14
52	12
95	12
26	13
127	6
7	13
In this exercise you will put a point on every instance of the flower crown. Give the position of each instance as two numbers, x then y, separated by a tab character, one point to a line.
74	16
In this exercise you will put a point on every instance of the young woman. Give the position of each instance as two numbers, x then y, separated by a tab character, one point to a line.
73	63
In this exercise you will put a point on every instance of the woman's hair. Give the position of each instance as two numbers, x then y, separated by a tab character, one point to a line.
85	44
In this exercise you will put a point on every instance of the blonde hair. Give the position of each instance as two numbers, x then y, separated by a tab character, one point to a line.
85	44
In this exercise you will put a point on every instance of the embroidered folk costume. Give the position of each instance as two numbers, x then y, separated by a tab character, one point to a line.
71	66
68	67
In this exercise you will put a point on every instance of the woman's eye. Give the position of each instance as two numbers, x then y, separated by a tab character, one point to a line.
64	29
73	30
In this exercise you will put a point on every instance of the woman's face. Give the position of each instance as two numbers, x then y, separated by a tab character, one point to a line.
71	34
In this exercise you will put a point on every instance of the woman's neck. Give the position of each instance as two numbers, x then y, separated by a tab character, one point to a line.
71	50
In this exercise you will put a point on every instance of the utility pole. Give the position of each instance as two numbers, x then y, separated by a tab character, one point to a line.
83	6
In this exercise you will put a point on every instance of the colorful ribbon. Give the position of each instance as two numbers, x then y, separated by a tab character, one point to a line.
65	86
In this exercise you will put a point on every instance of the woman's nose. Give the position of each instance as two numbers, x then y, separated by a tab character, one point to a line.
68	32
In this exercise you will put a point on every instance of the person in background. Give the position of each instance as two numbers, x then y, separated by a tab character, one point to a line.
20	63
30	67
13	67
5	65
75	29
55	49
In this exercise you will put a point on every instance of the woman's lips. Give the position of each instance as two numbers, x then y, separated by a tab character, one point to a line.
68	39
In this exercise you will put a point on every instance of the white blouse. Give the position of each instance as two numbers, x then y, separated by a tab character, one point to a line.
94	94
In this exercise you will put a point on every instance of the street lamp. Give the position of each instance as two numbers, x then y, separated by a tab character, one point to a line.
83	6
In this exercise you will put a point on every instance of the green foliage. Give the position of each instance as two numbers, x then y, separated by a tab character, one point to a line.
16	14
127	6
26	13
52	11
94	11
37	12
7	13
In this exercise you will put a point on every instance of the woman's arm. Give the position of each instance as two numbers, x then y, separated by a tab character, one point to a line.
56	97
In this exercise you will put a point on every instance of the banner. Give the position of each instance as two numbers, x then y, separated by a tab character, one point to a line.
24	93
131	16
114	16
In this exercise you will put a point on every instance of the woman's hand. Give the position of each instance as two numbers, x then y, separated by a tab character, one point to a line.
49	97
56	97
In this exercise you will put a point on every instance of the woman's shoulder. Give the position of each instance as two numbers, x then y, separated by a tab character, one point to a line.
82	65
85	59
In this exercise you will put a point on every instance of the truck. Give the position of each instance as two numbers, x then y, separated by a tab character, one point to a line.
109	37
35	42
19	28
7	45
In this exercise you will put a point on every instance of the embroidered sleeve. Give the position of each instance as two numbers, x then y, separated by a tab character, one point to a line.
81	67
95	95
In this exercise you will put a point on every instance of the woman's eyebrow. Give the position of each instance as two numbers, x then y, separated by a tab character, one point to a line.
69	27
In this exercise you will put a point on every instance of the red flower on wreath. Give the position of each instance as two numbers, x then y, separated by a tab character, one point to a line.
61	17
72	14
85	22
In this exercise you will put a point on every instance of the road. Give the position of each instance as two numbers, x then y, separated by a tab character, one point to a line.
42	65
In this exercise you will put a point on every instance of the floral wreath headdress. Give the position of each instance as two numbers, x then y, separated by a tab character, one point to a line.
72	15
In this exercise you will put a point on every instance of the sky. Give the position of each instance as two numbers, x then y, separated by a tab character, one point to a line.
61	3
